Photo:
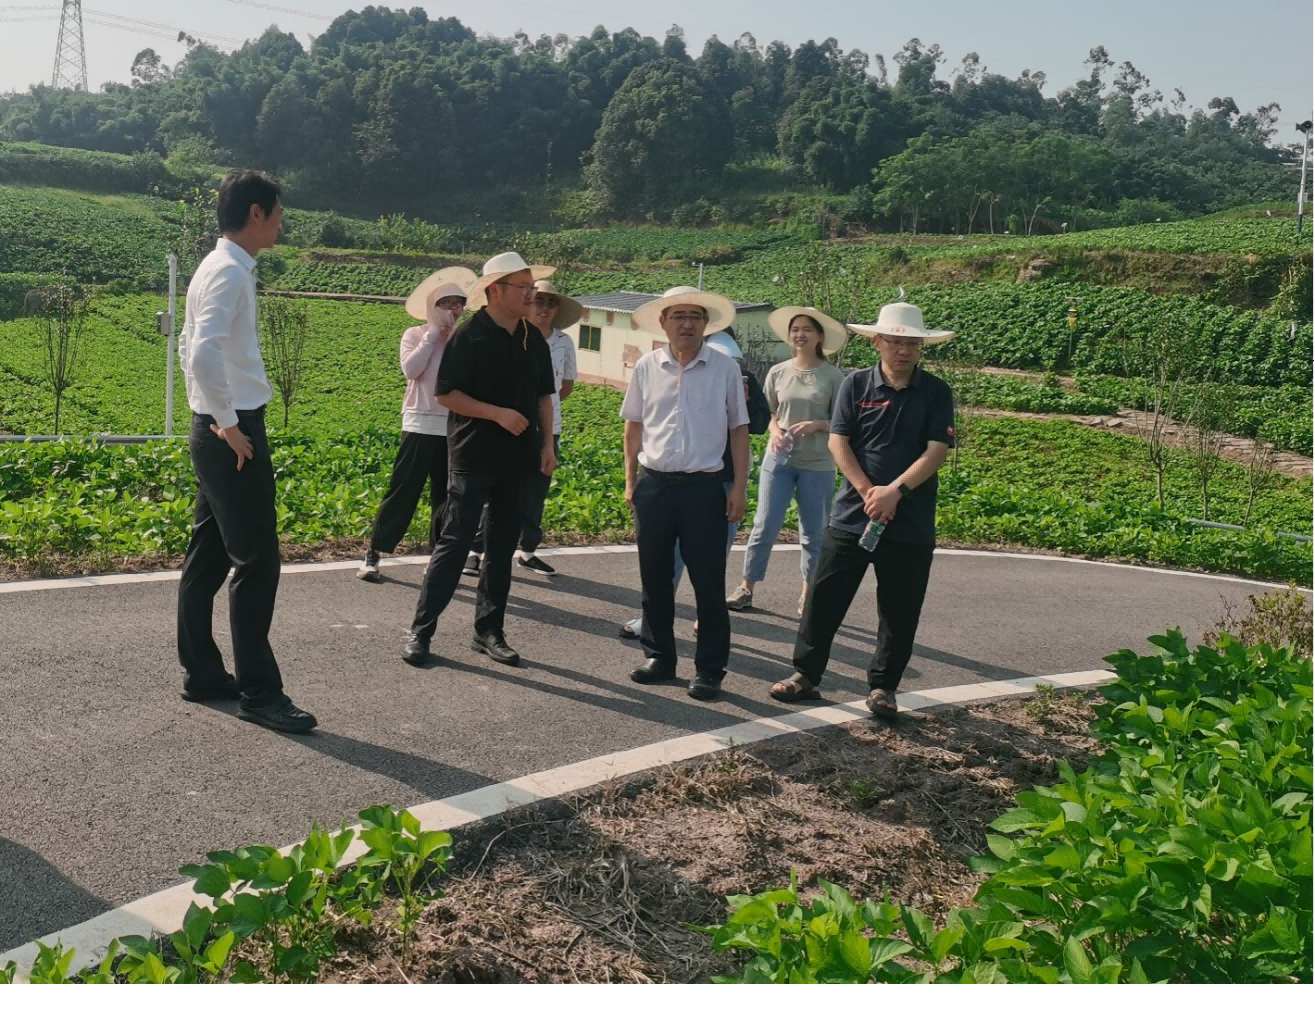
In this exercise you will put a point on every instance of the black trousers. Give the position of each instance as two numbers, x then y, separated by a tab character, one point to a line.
467	494
902	570
689	509
420	459
535	496
235	526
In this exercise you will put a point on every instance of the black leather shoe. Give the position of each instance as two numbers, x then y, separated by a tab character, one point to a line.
224	690
282	715
496	648
704	688
416	650
653	671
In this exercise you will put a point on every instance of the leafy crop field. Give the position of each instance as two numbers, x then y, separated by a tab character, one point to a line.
1251	236
1049	485
97	238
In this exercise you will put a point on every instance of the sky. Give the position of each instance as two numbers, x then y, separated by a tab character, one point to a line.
1257	52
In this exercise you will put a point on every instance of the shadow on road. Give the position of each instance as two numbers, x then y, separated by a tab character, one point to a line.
36	898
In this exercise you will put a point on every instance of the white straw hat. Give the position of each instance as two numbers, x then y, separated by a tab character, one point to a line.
900	319
495	269
450	281
725	343
721	311
834	336
569	310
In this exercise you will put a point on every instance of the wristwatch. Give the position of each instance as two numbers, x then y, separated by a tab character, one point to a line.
904	490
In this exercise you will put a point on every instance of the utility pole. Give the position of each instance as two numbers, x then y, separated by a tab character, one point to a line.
70	50
1304	127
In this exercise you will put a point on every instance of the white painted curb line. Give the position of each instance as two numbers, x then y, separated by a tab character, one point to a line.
163	912
142	577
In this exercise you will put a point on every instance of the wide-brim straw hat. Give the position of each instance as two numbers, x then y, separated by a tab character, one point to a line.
900	319
450	281
834	335
725	343
569	310
495	269
721	311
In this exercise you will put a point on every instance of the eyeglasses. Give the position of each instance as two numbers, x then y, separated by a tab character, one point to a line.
543	302
683	318
907	343
523	288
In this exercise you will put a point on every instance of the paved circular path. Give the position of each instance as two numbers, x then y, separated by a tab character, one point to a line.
111	782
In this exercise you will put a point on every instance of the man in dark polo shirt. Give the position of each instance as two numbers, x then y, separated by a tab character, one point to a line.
891	430
496	380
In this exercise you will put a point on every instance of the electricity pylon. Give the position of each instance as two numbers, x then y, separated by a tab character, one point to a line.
70	50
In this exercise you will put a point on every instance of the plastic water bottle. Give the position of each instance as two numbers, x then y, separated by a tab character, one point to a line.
871	535
775	459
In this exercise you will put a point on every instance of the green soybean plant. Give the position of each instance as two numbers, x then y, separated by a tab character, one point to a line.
409	856
287	900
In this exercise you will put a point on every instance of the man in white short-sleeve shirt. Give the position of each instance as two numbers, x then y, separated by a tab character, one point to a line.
684	401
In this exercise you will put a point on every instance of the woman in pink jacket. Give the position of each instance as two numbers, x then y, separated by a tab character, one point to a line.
422	455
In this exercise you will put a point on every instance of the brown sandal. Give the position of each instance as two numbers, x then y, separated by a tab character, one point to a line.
882	703
796	688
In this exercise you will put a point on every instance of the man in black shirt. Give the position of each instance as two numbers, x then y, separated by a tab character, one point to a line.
891	430
496	381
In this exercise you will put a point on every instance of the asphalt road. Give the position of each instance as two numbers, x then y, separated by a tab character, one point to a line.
110	781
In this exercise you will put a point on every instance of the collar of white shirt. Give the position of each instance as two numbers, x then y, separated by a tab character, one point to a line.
236	252
667	358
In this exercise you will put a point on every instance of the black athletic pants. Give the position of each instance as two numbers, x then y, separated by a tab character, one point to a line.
467	494
902	569
689	509
235	526
420	459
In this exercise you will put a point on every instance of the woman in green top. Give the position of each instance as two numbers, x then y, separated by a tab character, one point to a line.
798	465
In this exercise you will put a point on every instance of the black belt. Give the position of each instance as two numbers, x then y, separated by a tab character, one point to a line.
240	413
687	476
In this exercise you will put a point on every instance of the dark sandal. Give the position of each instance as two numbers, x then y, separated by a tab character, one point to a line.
882	703
794	689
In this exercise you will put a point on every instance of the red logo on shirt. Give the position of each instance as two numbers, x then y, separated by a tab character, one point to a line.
873	404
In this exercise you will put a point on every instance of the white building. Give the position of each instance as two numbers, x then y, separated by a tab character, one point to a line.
608	344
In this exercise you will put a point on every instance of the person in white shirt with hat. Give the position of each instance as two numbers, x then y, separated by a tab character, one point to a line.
760	416
422	454
683	401
496	381
891	430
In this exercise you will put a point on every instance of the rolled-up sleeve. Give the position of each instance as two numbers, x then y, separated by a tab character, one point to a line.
211	332
632	408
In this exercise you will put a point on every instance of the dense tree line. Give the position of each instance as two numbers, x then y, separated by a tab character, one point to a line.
389	109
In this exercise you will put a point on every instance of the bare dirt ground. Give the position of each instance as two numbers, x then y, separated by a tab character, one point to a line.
602	888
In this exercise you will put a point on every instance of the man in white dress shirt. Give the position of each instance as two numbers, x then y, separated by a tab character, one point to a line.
235	524
684	401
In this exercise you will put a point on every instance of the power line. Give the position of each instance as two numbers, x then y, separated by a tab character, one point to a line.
158	25
282	10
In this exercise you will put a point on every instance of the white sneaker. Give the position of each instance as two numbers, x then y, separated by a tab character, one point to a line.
369	569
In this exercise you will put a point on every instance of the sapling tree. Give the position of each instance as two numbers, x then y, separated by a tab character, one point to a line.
1211	415
283	329
1168	358
61	314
